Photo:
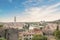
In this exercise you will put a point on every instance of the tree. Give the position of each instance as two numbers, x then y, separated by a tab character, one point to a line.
39	37
1	26
2	39
57	26
57	34
25	38
26	27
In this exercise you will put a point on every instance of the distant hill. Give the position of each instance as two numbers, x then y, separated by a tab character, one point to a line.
34	23
56	21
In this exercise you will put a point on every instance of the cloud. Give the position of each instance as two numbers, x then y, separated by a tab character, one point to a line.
32	3
51	0
37	14
6	19
10	1
47	13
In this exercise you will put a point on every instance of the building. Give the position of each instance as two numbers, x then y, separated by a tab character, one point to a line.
49	28
27	35
14	25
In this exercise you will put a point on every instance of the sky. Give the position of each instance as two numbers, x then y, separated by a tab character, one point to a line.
29	10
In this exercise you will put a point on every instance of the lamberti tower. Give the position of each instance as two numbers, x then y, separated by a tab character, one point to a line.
14	18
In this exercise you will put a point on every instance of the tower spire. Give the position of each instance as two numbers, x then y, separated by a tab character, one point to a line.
15	19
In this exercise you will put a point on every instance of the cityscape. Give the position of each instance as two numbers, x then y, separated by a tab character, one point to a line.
29	19
27	30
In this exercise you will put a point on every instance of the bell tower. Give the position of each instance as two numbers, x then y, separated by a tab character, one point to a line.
15	19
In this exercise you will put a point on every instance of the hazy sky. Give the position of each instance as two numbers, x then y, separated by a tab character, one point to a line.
29	10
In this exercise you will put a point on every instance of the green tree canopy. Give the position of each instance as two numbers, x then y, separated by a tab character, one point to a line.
57	34
2	39
39	37
1	26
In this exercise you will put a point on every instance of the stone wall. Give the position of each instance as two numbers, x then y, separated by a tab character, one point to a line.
12	34
9	34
